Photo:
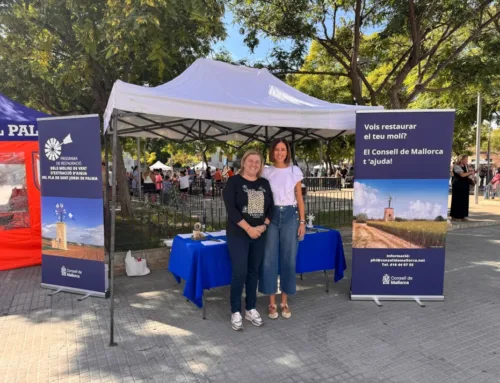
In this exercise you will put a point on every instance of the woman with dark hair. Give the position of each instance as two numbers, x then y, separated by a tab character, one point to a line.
287	227
249	201
460	189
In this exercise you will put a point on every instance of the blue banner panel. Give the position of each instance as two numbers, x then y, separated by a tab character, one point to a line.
398	271
73	272
401	188
72	204
18	131
403	144
70	157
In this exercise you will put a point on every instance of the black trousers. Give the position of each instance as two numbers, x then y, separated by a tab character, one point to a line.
246	257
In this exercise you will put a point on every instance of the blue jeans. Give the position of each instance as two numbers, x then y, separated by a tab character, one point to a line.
281	252
246	256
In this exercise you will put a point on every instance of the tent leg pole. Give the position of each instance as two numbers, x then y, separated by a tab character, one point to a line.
112	239
292	147
139	166
106	197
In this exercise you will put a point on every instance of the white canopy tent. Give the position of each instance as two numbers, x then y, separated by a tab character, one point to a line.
216	101
160	165
203	166
219	101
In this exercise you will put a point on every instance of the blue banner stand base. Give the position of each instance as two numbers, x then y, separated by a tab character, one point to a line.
415	298
65	289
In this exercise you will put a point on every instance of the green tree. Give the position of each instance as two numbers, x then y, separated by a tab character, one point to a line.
456	85
413	39
64	56
494	140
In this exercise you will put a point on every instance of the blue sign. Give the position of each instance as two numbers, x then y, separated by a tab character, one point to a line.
72	205
402	169
16	131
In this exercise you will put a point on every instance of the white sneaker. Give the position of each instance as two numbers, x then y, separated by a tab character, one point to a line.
237	321
254	317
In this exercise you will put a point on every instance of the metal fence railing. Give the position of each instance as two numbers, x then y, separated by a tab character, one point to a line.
327	183
174	213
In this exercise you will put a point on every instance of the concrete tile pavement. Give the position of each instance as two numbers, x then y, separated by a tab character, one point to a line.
484	213
162	338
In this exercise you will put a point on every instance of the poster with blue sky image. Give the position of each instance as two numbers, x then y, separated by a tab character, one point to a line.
72	205
400	203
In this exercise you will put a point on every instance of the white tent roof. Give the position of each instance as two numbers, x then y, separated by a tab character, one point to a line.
160	165
219	101
203	166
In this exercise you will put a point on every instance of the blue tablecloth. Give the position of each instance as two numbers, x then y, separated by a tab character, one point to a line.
206	267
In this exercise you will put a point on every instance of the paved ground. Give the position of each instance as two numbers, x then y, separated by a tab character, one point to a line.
162	338
484	213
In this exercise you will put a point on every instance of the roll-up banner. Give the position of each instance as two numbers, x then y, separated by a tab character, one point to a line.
402	170
72	205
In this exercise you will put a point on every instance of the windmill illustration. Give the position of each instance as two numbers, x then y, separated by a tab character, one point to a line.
389	211
53	148
61	241
60	212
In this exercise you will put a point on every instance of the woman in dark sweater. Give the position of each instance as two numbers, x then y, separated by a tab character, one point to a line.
249	203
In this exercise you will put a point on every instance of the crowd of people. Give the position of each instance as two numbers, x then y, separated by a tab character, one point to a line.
154	182
343	175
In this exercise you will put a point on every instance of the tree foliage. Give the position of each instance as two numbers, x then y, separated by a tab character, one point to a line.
64	56
389	51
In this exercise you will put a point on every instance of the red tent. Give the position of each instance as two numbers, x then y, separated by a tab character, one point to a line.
20	233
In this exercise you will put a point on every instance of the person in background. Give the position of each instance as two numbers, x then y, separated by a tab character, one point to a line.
287	227
338	178
482	175
184	185
208	179
158	181
495	185
460	189
167	183
343	173
218	181
136	180
149	185
249	204
105	186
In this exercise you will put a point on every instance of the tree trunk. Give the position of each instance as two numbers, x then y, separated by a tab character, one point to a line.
122	183
204	156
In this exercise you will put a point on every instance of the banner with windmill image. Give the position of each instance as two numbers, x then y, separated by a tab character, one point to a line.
73	254
400	205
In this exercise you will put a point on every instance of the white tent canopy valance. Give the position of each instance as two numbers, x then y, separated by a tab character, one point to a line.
160	165
222	102
202	166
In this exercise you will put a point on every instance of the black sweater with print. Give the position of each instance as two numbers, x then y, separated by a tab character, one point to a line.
248	200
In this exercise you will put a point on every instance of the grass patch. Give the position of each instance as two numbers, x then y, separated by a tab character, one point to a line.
420	233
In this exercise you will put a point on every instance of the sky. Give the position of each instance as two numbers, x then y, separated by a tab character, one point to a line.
87	226
422	199
235	45
238	49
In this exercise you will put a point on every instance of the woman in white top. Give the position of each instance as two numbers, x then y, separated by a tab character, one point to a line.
287	227
184	185
149	185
